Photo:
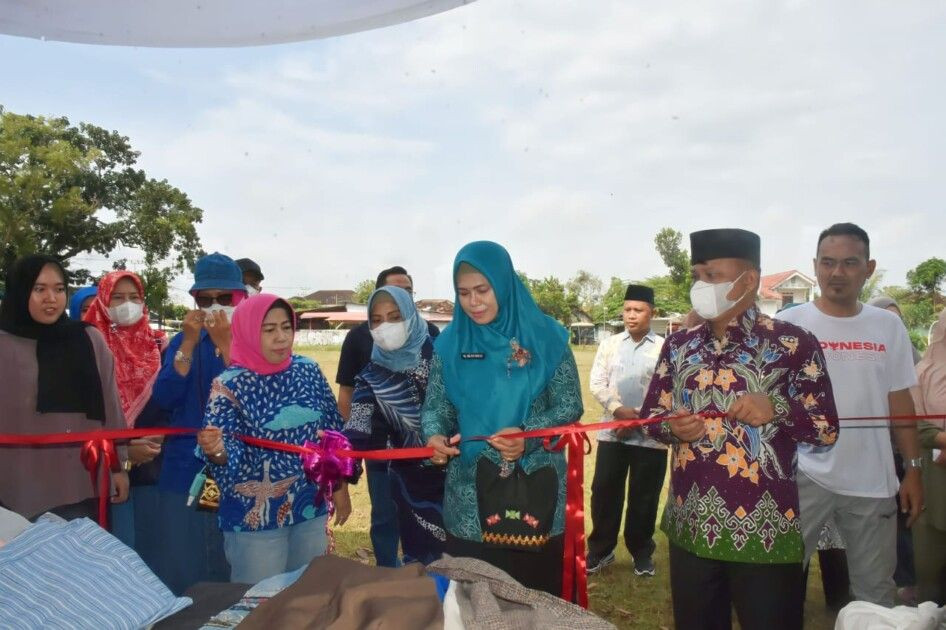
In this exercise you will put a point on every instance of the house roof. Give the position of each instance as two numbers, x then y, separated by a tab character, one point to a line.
332	296
768	284
362	316
443	307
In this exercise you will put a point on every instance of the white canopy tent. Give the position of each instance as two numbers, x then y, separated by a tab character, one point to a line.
205	23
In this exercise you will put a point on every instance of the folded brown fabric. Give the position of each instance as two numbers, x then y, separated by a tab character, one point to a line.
338	593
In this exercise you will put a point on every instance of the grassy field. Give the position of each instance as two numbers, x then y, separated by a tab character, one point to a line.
616	594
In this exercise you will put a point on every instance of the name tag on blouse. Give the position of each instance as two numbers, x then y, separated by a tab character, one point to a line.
472	356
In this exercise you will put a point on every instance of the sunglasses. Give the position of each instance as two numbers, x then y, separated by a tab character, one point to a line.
224	299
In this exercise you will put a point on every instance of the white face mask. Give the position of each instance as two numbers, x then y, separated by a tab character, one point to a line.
710	301
228	310
390	335
251	290
126	313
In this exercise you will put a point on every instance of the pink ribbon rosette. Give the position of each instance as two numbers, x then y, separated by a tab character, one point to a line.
324	467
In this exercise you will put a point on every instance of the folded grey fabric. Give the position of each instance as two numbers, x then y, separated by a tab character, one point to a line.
491	600
11	525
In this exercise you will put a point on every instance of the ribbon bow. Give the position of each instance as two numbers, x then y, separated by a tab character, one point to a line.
574	576
324	466
93	453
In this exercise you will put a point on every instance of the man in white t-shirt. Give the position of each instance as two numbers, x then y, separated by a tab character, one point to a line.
867	350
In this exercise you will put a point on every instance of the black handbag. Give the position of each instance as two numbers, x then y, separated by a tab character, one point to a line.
516	509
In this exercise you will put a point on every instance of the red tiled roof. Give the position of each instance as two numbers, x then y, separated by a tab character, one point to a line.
768	283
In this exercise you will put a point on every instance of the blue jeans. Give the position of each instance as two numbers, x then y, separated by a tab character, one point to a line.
384	533
255	556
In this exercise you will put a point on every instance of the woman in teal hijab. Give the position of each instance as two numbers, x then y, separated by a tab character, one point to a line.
501	366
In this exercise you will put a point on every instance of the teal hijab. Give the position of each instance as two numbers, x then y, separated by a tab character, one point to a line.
407	357
482	378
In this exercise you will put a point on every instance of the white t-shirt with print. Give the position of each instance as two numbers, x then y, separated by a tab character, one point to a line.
868	356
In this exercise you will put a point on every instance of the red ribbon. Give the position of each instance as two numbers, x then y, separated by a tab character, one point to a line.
99	446
93	454
574	575
423	452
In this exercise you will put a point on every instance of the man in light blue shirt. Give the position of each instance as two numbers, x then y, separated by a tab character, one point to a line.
620	375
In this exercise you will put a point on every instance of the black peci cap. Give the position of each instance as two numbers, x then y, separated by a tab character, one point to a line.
725	243
639	293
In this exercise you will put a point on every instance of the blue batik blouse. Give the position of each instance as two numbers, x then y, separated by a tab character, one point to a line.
263	489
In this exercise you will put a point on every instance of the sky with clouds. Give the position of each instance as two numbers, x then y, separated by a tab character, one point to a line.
571	132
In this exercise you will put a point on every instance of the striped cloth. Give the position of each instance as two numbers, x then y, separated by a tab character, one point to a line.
76	575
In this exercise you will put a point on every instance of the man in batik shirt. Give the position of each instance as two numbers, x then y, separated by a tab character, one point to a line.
740	391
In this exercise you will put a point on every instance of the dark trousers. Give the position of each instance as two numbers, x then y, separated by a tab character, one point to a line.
905	573
834	578
540	570
614	463
765	596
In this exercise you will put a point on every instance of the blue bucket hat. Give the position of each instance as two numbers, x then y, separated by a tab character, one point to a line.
217	271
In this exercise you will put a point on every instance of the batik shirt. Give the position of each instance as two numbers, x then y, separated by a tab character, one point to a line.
732	493
261	488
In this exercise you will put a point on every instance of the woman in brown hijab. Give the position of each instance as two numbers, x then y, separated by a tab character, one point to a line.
929	531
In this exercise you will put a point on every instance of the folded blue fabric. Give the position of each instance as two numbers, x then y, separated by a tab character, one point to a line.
77	575
442	583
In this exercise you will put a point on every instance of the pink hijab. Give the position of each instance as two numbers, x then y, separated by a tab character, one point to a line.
245	347
929	395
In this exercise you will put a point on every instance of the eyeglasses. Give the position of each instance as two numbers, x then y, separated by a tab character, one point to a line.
204	301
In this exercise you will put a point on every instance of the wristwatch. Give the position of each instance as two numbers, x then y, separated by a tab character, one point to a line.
181	357
126	465
916	462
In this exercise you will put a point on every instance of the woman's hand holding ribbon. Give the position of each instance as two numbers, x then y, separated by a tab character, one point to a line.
510	449
444	448
210	440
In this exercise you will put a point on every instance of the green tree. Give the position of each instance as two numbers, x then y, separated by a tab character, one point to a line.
669	244
157	280
550	295
918	314
899	294
667	295
927	277
612	302
176	311
363	291
585	289
871	288
675	296
68	189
